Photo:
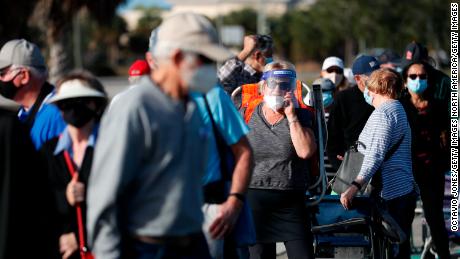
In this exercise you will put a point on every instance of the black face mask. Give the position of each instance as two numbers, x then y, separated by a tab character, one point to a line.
78	114
8	89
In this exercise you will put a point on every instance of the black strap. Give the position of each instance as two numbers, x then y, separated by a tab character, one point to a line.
44	91
221	145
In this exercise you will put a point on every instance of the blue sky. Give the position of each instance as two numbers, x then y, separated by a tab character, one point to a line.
147	3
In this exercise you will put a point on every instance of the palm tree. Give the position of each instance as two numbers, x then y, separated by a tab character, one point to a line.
55	17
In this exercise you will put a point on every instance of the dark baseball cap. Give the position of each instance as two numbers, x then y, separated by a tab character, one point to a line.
365	65
414	53
21	52
389	56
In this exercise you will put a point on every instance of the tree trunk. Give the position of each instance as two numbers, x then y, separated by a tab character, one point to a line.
348	51
60	59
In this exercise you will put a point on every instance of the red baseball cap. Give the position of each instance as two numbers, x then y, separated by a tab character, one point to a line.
139	68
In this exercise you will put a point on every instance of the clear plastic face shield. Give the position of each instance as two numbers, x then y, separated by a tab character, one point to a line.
279	82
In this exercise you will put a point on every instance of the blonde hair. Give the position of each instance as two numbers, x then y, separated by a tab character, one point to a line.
385	81
275	66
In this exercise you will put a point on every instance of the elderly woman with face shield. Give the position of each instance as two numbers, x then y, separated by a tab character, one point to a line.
282	142
81	99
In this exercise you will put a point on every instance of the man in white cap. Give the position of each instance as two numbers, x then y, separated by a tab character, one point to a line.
144	194
332	69
23	76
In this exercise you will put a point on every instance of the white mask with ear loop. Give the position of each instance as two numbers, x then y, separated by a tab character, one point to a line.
334	77
201	79
274	102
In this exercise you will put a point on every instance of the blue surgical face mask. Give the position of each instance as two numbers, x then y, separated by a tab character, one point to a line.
367	96
417	85
327	98
268	60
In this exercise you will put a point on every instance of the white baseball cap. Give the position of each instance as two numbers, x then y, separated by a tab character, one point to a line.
190	32
332	62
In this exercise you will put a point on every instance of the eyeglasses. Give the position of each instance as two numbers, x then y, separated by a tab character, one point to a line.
6	71
337	70
414	76
283	85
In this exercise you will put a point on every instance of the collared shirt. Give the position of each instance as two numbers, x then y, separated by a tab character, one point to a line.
65	141
229	123
235	72
48	122
385	127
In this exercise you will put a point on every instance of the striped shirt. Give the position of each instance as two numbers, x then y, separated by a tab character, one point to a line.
384	128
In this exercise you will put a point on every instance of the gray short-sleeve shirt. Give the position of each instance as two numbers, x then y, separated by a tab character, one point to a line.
277	165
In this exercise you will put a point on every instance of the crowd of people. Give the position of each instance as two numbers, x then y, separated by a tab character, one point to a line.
194	161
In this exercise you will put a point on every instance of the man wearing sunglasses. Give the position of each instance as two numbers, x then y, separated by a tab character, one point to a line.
23	76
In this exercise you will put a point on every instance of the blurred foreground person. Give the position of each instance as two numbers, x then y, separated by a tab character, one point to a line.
23	191
228	223
385	143
283	141
23	76
81	99
429	121
145	190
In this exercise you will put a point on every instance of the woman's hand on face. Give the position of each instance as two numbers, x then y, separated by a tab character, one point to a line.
346	197
68	245
289	108
75	191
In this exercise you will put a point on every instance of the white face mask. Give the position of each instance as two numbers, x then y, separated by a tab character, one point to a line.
201	79
334	77
274	102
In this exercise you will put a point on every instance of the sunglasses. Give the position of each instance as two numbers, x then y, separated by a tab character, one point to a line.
283	85
414	76
72	104
337	70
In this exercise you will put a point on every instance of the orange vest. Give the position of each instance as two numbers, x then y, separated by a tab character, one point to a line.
251	97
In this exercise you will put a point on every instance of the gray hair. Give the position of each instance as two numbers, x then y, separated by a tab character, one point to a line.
40	73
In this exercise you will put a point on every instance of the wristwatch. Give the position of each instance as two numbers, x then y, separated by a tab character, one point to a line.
239	196
358	185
